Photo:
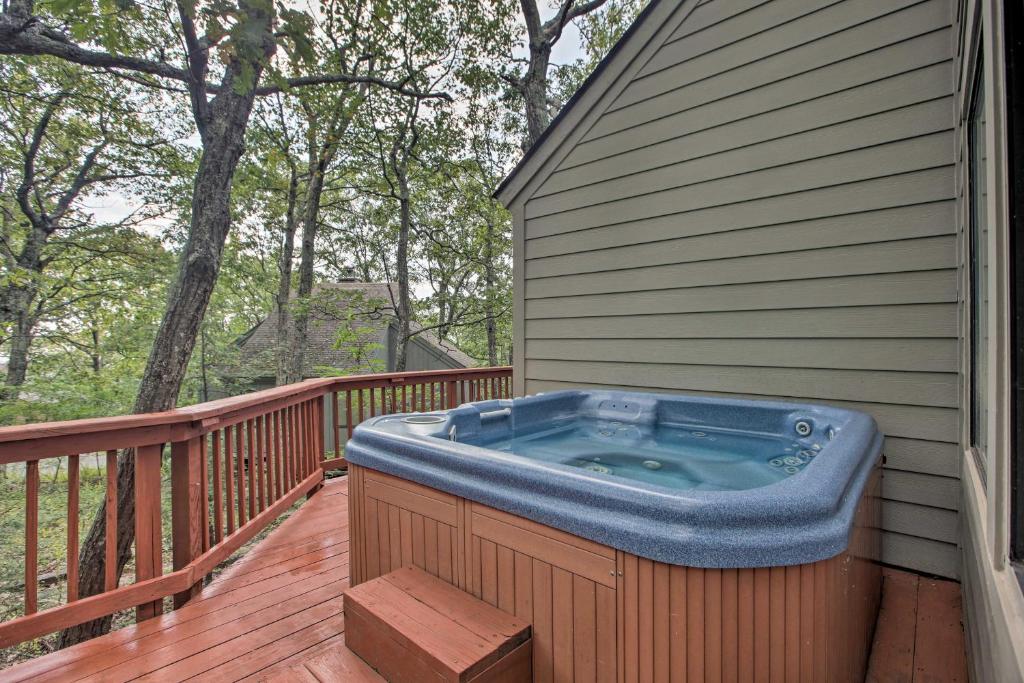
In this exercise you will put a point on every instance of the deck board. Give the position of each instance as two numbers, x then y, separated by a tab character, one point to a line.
275	615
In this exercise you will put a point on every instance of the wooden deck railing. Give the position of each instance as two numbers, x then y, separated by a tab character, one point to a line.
236	464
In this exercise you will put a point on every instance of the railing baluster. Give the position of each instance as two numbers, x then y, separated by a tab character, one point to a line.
110	541
298	465
279	445
250	459
348	414
268	455
373	403
311	463
312	438
240	471
229	480
204	495
335	415
218	512
295	424
304	431
290	443
72	549
31	536
362	412
307	414
256	453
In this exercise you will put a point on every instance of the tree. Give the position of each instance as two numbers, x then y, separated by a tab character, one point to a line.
599	32
532	84
410	138
70	137
133	42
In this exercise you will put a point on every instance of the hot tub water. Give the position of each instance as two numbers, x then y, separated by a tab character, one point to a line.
677	457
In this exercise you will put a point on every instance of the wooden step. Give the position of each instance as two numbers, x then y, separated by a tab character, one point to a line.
411	627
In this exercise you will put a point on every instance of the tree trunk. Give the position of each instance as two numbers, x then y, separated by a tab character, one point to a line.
204	385
534	87
21	340
403	310
489	312
284	285
321	155
222	127
19	299
97	358
300	315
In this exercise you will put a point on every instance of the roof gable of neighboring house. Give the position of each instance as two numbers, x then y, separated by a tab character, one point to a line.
660	22
348	332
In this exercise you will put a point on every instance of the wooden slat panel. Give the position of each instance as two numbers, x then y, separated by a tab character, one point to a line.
605	630
562	624
560	536
437	506
645	619
584	629
596	568
543	643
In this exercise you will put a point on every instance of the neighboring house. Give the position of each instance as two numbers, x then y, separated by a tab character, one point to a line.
352	330
806	199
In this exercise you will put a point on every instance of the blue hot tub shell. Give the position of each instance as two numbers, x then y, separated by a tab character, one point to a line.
803	518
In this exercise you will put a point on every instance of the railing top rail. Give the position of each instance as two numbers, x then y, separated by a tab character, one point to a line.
211	410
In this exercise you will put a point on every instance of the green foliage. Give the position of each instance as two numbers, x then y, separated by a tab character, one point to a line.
106	280
599	32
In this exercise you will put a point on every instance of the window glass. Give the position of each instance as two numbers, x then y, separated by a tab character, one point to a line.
979	296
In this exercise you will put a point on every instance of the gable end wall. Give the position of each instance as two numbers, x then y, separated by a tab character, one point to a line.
767	209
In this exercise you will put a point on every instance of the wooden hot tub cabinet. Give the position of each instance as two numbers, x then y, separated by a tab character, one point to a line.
605	615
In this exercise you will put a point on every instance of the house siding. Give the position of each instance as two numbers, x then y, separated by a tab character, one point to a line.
767	209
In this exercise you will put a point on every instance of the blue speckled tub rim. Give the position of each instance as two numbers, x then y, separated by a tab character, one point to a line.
804	518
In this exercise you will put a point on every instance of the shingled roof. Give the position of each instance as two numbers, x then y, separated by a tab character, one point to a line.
360	311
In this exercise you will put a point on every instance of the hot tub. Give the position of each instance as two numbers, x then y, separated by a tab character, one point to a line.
639	533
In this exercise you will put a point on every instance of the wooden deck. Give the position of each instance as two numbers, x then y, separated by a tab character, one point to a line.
276	616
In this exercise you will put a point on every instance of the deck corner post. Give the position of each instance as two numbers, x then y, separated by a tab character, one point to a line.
148	544
187	501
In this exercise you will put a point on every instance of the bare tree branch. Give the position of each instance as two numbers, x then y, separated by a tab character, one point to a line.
32	37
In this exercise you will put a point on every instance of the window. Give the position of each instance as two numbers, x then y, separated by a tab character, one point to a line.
978	253
1013	17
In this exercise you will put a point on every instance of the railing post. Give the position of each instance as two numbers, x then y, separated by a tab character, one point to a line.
187	508
148	544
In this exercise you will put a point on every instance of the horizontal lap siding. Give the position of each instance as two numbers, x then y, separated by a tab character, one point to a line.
767	210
